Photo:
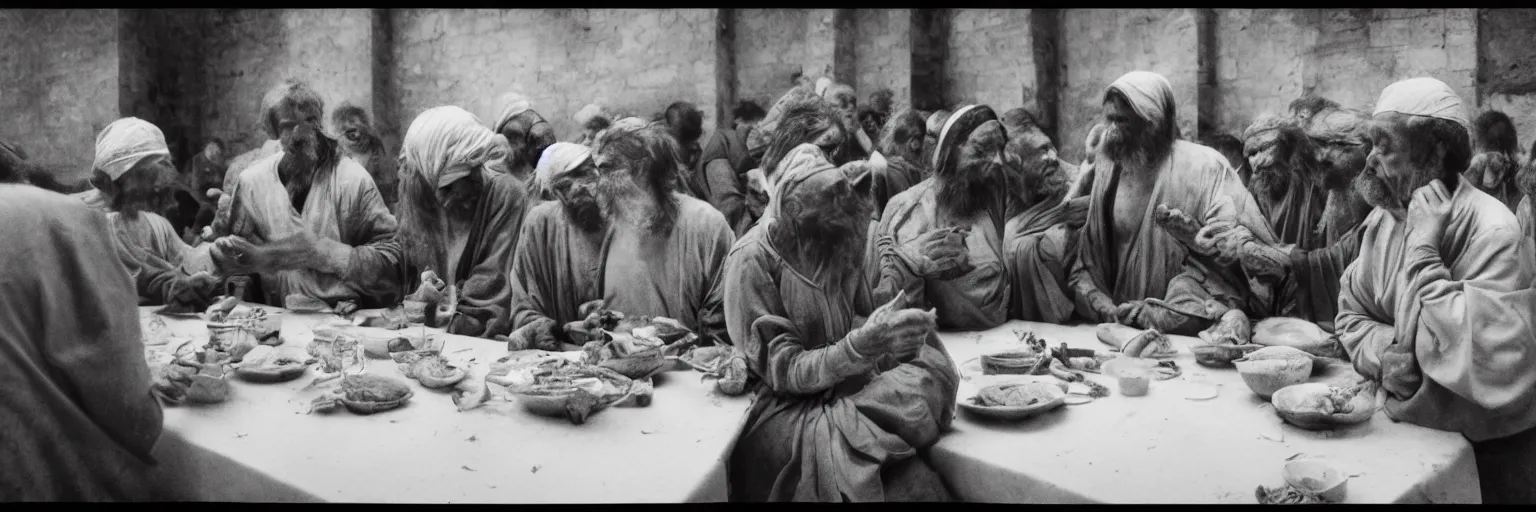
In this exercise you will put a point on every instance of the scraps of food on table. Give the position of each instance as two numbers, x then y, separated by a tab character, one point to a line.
266	364
553	385
1317	406
195	378
1298	333
1286	495
1130	341
429	368
725	363
364	394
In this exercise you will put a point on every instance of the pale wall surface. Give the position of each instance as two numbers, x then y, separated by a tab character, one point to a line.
770	45
1100	45
990	59
1251	87
883	54
58	82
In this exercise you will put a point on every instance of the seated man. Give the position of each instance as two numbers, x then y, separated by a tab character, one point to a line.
1495	158
134	174
849	393
592	119
360	142
1040	238
460	220
901	145
1132	269
685	123
527	134
647	249
79	420
796	119
941	241
722	165
1438	307
310	222
202	178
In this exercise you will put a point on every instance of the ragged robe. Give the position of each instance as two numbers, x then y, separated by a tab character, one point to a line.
344	205
975	301
1038	247
827	425
898	175
676	276
483	273
155	257
1468	317
78	419
1194	179
723	165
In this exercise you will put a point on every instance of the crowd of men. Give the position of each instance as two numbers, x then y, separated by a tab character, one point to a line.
815	238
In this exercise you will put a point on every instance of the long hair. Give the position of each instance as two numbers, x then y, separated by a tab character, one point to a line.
899	130
800	125
1495	132
653	155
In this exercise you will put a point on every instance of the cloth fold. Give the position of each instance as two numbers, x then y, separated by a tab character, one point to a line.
446	144
125	142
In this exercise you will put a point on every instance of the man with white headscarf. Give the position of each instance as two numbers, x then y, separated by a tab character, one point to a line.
526	132
655	251
133	173
1437	308
941	241
460	220
1134	267
78	418
847	393
309	221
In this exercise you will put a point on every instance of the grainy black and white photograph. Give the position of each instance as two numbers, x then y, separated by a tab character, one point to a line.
634	256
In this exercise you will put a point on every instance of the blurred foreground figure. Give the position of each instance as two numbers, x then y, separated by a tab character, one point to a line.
78	418
1438	308
460	220
849	393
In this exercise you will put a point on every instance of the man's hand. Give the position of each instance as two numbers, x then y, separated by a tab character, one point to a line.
1400	374
236	255
940	253
197	290
1179	224
431	289
909	332
1104	306
1077	212
1225	239
538	334
1129	313
1428	214
1261	259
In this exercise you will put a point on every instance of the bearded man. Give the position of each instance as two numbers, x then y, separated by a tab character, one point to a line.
79	420
859	145
272	146
310	222
901	145
1132	269
527	135
134	174
941	241
1495	158
646	250
849	394
1432	309
361	142
460	220
1040	238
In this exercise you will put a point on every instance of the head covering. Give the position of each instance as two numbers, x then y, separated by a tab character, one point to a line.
833	91
956	130
125	142
511	104
445	144
1150	95
762	134
935	122
1423	96
558	159
806	168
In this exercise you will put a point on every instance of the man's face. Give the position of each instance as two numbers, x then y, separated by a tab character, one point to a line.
1034	162
1526	178
871	125
577	192
847	107
1390	175
1126	135
830	140
966	192
213	153
355	134
618	186
299	132
541	136
146	187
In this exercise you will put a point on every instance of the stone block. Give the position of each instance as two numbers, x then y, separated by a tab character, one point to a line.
1389	33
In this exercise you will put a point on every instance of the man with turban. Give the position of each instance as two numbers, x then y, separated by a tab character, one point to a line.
1495	158
526	132
1437	308
941	241
310	222
647	249
849	394
134	175
460	220
1134	266
797	118
1040	238
78	418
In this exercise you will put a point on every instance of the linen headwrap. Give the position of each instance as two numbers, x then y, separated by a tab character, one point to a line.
559	158
956	130
511	104
446	144
1423	96
1150	95
125	142
832	92
588	113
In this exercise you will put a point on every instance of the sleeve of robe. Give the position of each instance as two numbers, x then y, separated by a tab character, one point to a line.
91	331
1317	273
1474	335
1080	284
1362	336
485	302
1035	257
888	273
535	266
370	265
152	273
712	312
758	323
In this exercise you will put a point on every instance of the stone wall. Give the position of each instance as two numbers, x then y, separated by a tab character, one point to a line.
770	45
1100	45
989	59
58	83
1249	87
1505	45
883	53
634	60
1358	52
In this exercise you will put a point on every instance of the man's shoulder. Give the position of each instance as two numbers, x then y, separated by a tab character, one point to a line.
700	213
267	163
1199	155
21	201
1485	213
547	212
350	170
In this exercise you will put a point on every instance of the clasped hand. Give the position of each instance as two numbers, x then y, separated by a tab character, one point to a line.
1428	214
940	253
895	330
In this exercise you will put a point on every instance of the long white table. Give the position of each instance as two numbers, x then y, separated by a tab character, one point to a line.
1165	448
261	446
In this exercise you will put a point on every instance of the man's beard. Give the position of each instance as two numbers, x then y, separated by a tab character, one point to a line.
585	213
423	224
620	199
1045	182
833	236
1392	194
1137	145
132	202
1271	182
303	153
970	190
1344	210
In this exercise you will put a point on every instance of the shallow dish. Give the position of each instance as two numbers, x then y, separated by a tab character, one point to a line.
1317	477
1221	356
1052	396
637	366
1267	376
1290	405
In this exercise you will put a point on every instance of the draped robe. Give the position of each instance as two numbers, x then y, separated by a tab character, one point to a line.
1196	180
154	255
1037	248
78	419
977	300
343	205
483	273
1527	216
722	166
